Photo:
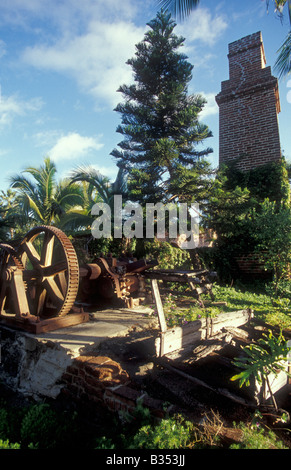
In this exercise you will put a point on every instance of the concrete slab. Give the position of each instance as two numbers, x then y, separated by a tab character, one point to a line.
103	324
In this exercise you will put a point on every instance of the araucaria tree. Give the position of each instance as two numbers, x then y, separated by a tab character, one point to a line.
161	149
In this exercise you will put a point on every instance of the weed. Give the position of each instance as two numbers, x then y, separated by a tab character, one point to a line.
170	433
256	437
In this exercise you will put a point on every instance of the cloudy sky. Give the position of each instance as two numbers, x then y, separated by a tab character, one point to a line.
62	61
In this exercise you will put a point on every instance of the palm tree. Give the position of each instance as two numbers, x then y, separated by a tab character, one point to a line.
96	188
183	8
101	184
42	199
283	62
8	215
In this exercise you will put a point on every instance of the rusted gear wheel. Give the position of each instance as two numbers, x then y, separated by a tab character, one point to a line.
8	257
51	271
8	262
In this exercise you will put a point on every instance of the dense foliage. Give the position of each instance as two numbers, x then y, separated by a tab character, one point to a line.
250	214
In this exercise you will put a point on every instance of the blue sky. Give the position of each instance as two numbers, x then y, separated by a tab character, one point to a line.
61	62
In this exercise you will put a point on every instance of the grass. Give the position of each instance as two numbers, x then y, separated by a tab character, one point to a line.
276	312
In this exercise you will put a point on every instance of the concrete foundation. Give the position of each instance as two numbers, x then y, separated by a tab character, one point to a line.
35	365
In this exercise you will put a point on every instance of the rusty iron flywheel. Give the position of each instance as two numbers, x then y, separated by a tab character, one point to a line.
51	271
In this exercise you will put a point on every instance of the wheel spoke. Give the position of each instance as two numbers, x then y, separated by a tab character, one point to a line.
32	254
40	300
53	291
47	249
57	268
62	281
3	294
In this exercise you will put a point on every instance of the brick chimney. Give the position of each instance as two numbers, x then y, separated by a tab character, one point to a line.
248	107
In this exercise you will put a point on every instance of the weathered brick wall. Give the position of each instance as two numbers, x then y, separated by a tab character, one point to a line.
248	107
249	266
101	380
89	376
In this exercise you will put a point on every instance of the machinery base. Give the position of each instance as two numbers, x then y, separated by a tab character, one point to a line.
42	326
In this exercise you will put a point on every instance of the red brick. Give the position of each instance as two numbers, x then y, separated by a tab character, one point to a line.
89	376
248	106
121	398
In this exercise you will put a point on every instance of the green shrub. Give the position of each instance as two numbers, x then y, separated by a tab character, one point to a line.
104	443
168	256
38	428
6	445
4	428
170	433
43	428
10	422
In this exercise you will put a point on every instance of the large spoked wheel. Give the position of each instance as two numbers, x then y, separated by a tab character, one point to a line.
51	271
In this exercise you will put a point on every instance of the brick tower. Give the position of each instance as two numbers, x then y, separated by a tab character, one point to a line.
248	107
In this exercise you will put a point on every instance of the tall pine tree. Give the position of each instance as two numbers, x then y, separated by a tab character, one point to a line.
160	126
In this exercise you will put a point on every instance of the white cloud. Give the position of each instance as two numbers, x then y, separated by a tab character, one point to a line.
12	106
95	59
65	16
46	138
210	107
4	153
92	43
73	145
203	26
109	171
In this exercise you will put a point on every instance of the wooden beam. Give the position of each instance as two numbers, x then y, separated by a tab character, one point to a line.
159	305
42	326
187	336
160	310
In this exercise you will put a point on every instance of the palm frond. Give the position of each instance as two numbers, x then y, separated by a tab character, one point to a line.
68	194
23	184
279	5
283	62
42	198
76	220
34	206
179	8
93	177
